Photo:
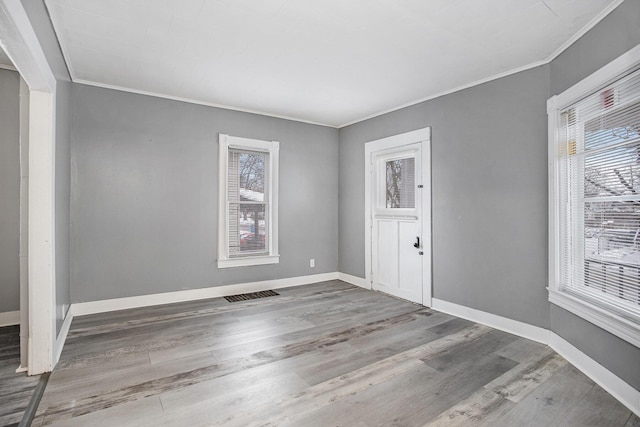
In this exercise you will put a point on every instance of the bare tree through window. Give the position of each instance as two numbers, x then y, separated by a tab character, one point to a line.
400	179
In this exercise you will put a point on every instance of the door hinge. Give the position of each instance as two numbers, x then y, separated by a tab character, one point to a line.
420	186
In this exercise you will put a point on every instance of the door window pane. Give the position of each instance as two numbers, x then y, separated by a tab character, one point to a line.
400	183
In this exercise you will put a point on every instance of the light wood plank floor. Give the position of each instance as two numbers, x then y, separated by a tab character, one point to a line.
328	354
15	389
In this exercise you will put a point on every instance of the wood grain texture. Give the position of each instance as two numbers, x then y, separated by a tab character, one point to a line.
15	389
327	354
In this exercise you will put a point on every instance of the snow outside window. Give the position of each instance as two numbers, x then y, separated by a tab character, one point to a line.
248	202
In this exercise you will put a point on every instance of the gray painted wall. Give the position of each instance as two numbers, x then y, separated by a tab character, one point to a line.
9	191
144	195
489	193
612	37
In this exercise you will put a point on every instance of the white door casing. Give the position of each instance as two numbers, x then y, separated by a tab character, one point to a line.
398	223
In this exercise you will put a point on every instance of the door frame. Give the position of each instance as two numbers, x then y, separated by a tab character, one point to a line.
422	136
21	44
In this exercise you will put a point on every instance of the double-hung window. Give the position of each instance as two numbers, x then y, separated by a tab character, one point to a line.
248	202
594	155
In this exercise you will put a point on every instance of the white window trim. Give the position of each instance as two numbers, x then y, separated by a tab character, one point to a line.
271	147
605	319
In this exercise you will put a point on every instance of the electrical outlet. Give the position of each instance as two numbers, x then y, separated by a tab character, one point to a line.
312	263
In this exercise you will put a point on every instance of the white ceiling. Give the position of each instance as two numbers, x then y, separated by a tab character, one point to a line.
332	62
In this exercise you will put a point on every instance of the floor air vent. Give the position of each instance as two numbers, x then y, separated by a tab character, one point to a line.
252	295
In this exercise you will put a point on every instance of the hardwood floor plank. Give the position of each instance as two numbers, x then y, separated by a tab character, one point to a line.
596	408
633	421
548	404
522	350
95	384
119	415
475	410
526	377
457	357
16	389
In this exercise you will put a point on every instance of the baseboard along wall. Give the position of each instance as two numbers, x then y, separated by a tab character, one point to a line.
9	318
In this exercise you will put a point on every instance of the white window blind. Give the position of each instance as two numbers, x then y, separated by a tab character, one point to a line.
599	198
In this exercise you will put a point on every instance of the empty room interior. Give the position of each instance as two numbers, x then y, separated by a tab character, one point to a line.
338	213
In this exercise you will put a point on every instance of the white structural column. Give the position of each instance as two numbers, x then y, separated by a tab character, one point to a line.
20	42
41	232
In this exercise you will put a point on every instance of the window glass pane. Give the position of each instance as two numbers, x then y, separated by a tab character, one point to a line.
400	183
251	176
247	235
613	126
613	172
611	248
246	178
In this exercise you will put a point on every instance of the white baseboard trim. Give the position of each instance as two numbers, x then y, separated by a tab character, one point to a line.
9	318
354	280
515	327
62	337
618	388
94	307
614	385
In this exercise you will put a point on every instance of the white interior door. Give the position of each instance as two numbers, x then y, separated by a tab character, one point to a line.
398	216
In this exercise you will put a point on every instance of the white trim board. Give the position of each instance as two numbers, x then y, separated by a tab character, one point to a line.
8	67
94	307
62	337
614	385
354	280
9	318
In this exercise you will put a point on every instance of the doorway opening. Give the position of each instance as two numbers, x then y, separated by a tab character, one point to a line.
398	215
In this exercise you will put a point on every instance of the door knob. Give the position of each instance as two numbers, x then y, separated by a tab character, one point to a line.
417	243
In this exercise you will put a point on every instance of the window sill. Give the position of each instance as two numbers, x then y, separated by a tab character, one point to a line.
610	322
248	261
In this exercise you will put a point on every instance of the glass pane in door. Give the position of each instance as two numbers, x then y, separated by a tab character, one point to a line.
400	183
